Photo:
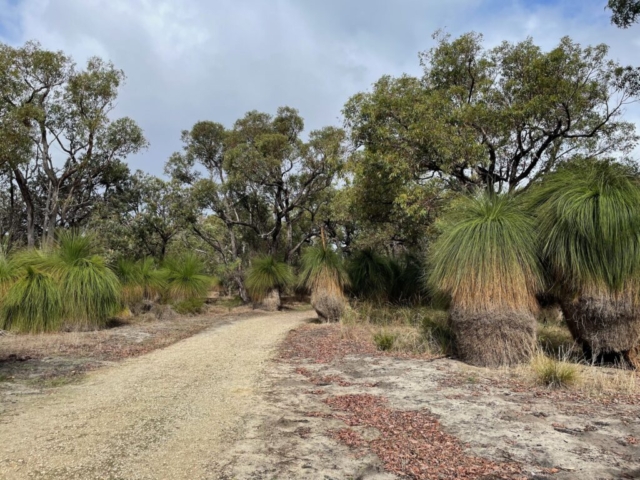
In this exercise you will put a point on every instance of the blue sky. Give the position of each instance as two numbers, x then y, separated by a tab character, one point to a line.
189	60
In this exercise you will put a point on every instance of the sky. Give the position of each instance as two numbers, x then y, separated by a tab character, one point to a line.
191	60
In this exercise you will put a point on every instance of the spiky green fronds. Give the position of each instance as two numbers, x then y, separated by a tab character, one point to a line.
371	275
323	269
33	304
185	278
486	258
589	223
408	278
9	273
90	290
266	274
128	273
140	280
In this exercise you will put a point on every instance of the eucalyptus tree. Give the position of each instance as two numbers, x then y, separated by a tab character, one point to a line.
494	118
625	12
258	186
63	137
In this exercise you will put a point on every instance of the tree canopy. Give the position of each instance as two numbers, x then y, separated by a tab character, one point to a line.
625	12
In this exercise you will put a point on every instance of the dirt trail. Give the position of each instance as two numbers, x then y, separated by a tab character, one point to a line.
171	414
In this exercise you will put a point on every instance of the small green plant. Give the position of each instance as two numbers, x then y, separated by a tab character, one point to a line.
555	339
189	306
554	373
384	341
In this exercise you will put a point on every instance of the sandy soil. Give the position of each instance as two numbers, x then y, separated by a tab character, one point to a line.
549	434
223	405
170	414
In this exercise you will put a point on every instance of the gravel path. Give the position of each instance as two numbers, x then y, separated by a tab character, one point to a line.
171	414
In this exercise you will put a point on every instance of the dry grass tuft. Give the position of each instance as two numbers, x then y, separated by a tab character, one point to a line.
555	373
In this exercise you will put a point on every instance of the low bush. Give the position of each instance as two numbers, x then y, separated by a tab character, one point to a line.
190	306
554	373
384	341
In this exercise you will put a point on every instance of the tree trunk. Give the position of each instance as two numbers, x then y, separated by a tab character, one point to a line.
28	201
242	290
271	302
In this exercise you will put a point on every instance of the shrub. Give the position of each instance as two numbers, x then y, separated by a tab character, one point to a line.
186	279
408	279
33	304
324	274
9	273
554	373
384	341
191	306
555	339
371	275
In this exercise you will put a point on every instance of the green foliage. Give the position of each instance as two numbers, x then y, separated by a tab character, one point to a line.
323	269
554	373
90	291
384	341
267	273
33	304
624	12
460	124
589	223
371	275
555	339
189	306
408	279
9	273
486	257
186	279
140	280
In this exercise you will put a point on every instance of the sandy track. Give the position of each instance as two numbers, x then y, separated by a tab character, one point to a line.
171	414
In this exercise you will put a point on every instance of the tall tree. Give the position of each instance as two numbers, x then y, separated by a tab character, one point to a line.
73	142
496	118
258	185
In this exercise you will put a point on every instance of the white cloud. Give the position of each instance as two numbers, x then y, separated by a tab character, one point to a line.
188	60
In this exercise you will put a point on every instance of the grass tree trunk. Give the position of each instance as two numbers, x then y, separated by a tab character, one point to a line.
329	306
608	326
271	302
493	338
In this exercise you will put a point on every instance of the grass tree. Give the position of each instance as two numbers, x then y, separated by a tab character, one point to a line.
323	273
9	273
141	281
33	303
90	290
186	279
589	221
486	262
371	275
266	278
